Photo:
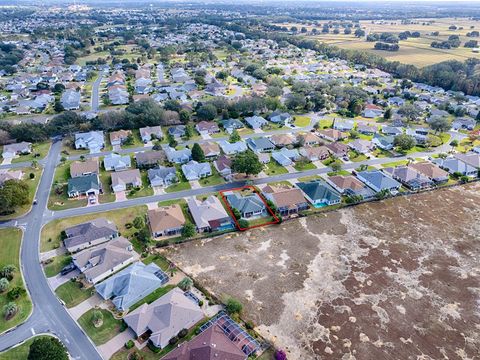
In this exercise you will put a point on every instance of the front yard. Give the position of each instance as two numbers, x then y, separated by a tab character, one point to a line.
273	168
215	179
303	166
10	240
39	151
302	121
72	293
101	334
56	265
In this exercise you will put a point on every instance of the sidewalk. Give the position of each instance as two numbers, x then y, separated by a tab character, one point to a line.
83	307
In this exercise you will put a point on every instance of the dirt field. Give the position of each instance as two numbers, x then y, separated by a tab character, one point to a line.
398	279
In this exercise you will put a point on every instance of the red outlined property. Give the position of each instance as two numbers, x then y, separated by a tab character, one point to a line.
230	209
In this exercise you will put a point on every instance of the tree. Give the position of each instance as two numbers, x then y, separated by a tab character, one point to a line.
234	136
144	235
336	166
184	116
97	318
4	284
247	163
8	271
47	348
139	222
207	112
188	230
404	142
387	114
197	153
9	310
15	293
185	284
439	124
234	306
409	111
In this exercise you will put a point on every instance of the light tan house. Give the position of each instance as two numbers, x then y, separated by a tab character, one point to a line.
287	200
210	149
119	137
281	140
124	179
309	139
166	221
82	168
11	175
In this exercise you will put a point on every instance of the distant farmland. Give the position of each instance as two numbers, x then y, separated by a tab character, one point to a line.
415	51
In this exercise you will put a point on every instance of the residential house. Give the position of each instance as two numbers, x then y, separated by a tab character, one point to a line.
90	233
194	170
119	137
116	162
83	168
332	134
92	141
286	157
261	144
178	156
15	175
315	153
318	193
287	200
149	159
281	140
223	164
166	221
103	260
420	134
162	176
12	150
282	118
70	99
463	123
248	206
165	318
470	158
210	149
349	185
372	111
207	127
232	148
150	133
177	131
395	100
209	214
309	139
343	124
123	180
367	129
132	284
256	122
454	165
431	171
409	177
384	142
88	185
391	130
338	149
232	124
361	146
379	181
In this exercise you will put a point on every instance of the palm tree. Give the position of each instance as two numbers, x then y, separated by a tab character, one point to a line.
185	284
172	269
9	310
4	284
8	271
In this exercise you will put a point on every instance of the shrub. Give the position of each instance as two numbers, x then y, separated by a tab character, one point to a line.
4	284
280	355
15	293
200	303
129	344
182	333
173	340
234	306
249	325
32	176
9	310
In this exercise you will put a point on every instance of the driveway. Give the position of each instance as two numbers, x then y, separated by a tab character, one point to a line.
120	196
83	307
195	184
290	168
52	253
258	131
58	280
206	137
158	190
116	343
6	161
152	206
319	164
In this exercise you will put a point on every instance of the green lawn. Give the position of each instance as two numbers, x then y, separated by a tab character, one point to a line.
325	123
152	297
20	352
341	172
395	163
50	237
215	179
179	186
58	263
356	157
273	168
32	189
72	293
137	140
108	195
40	149
145	190
159	260
100	335
309	178
303	166
302	121
10	240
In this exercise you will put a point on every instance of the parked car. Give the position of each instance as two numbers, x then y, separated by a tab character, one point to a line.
67	269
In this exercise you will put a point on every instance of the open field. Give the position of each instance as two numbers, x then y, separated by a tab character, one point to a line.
363	280
10	240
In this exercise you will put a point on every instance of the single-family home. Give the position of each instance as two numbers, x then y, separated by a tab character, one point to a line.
454	165
178	156
286	199
209	214
70	99
223	164
379	181
92	141
309	139
372	111
162	176
286	157
232	148
470	158
250	205
409	177
395	100
343	124
132	284
261	144
256	122
367	129
150	133
83	168
315	153
391	130
90	233
12	150
281	140
177	131
103	260
207	127
116	162
149	159
15	175
123	180
349	185
384	142
119	137
165	318
232	124
319	194
332	134
88	185
166	221
338	149
361	146
279	117
194	170
431	171
210	149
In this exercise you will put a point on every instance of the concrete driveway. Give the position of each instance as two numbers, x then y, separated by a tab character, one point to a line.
6	161
290	168
120	196
116	343
206	137
258	131
83	307
195	184
158	190
152	206
319	164
58	280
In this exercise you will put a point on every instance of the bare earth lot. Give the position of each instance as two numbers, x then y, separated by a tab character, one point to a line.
398	279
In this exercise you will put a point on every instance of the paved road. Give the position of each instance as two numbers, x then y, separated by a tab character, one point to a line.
48	316
95	101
